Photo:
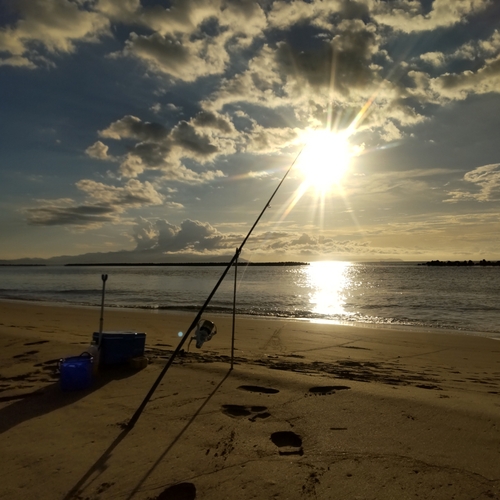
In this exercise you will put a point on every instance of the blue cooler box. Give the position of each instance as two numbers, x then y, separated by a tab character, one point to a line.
120	347
76	372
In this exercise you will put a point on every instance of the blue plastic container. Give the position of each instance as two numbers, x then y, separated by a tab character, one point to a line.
76	372
119	347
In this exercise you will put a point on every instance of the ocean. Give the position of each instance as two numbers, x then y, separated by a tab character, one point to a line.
465	299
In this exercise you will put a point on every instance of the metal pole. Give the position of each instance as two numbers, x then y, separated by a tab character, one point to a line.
104	277
139	410
234	307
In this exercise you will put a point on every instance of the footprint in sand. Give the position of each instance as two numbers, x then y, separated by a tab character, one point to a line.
104	487
239	411
181	491
27	353
288	442
323	390
256	388
429	386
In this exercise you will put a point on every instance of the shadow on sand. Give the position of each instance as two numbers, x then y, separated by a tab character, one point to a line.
100	465
52	397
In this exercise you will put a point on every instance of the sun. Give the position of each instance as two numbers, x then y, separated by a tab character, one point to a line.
324	159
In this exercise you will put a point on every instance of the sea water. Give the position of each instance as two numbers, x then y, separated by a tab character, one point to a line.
405	294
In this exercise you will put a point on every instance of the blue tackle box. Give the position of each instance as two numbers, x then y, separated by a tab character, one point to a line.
119	347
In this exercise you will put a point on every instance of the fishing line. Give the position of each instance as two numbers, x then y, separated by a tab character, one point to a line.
139	410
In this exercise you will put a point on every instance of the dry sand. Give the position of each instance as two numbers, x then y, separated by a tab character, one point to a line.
309	411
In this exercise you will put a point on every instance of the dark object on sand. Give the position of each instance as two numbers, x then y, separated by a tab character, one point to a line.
205	331
76	372
119	347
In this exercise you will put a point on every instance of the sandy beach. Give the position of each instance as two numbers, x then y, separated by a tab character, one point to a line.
309	411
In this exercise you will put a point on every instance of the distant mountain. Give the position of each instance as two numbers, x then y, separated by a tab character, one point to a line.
123	256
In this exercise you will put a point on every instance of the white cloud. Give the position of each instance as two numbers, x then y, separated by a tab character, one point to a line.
132	194
156	107
408	15
434	58
456	86
485	181
99	151
179	57
104	203
262	140
492	44
205	137
190	236
390	132
55	25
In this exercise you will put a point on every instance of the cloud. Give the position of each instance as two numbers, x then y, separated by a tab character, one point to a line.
390	132
377	188
64	212
341	63
131	127
145	234
47	28
286	75
191	38
133	194
435	59
409	16
206	136
262	140
134	165
104	204
214	121
482	76
457	86
155	108
99	151
179	57
187	17
190	236
259	83
492	44
332	80
261	174
381	239
187	137
305	246
172	107
284	14
173	205
486	183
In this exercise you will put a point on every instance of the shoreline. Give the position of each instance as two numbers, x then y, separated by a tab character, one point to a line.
251	317
311	341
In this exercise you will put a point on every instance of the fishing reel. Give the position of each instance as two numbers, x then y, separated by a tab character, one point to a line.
204	332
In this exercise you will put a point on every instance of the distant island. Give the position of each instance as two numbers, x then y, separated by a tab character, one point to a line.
23	265
241	263
458	263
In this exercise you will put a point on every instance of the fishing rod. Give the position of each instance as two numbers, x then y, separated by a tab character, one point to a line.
139	410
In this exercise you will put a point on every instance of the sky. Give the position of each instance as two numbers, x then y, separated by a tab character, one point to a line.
157	130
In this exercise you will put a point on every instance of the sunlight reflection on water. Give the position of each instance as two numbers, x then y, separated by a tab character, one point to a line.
329	285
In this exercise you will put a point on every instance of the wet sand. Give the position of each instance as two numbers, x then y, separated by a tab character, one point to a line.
309	411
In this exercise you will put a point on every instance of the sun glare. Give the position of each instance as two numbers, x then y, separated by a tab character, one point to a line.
324	159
